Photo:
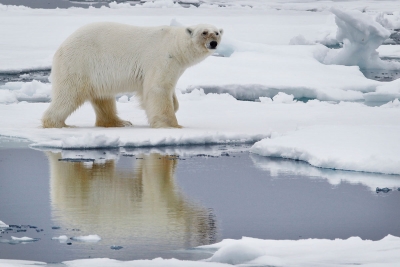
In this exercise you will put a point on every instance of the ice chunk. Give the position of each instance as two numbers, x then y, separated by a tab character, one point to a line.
237	253
283	98
361	36
24	239
61	238
3	225
87	238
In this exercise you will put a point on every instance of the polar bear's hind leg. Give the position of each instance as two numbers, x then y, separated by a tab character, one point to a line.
59	110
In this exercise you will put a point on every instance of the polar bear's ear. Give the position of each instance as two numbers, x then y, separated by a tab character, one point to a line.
189	31
221	31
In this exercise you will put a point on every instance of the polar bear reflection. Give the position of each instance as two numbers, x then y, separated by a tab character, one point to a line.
139	206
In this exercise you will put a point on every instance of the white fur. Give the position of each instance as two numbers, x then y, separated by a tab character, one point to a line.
101	60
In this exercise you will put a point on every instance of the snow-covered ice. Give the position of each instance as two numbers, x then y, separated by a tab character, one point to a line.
366	148
258	252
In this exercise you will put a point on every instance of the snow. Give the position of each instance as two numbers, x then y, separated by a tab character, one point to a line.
87	238
257	252
309	252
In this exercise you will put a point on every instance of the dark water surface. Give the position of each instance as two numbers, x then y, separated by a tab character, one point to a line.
159	203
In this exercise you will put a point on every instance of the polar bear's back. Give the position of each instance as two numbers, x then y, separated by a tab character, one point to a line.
113	55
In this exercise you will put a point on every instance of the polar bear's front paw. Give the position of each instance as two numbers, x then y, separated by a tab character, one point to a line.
113	123
165	125
125	123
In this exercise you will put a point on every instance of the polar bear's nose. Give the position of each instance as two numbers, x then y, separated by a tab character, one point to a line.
213	44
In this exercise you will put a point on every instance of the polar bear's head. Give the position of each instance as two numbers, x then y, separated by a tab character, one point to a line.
206	36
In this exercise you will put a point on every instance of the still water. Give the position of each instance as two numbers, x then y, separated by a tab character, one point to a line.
162	202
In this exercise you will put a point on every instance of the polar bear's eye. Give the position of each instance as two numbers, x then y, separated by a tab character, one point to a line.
205	32
216	33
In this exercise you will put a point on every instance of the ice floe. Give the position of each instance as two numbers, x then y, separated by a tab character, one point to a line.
87	238
366	148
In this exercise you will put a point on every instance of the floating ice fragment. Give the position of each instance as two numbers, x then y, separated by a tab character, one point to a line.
116	247
3	225
87	238
61	237
24	239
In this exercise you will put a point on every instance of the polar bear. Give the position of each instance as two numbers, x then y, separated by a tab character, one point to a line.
103	59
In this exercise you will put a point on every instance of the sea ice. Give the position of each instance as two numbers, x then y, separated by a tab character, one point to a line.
258	252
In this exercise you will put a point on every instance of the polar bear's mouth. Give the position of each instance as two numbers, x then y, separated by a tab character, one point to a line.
212	45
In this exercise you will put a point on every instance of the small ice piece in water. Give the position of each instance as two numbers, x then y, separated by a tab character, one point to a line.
55	227
24	239
3	225
116	247
61	238
384	190
87	238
